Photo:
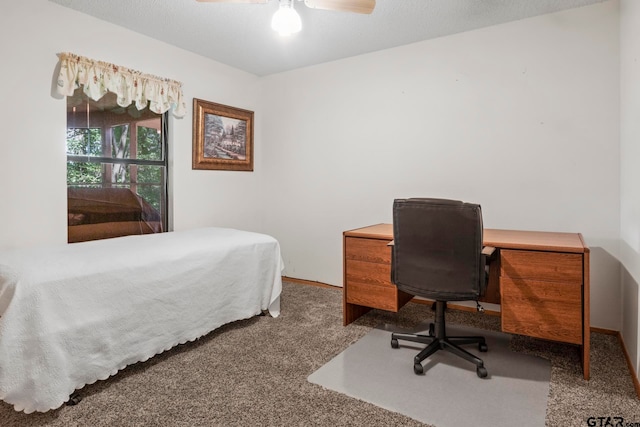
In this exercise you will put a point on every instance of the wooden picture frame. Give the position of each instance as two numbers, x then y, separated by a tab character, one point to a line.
222	137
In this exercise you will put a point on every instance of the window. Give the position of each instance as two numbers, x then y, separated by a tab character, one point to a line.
116	169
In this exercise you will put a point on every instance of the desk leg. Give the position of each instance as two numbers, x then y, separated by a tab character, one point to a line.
586	315
585	359
351	312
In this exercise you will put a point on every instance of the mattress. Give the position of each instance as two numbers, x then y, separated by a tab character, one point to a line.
75	314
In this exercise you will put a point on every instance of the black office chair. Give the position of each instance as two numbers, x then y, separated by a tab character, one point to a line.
438	254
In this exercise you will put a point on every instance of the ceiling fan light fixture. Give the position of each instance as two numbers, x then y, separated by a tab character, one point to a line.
286	20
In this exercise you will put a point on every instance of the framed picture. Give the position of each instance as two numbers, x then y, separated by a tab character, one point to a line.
222	137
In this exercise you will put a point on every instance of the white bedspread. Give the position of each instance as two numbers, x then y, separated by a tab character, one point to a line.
74	314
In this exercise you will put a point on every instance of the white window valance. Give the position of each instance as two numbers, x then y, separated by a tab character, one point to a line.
130	86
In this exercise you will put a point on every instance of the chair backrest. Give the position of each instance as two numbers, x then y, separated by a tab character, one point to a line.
437	249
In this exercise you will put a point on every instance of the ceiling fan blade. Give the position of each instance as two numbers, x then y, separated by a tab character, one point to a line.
233	1
357	6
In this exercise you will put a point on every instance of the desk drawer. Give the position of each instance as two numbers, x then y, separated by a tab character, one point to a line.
371	250
545	266
542	309
368	273
382	297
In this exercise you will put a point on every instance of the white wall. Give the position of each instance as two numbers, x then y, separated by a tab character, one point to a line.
32	147
522	118
630	175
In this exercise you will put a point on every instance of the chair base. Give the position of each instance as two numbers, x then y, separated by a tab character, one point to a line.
438	340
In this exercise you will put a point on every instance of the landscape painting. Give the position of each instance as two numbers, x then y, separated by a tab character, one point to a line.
222	137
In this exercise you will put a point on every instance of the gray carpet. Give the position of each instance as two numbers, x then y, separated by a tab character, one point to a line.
449	394
254	372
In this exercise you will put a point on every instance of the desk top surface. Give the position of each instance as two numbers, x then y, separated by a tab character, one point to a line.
503	239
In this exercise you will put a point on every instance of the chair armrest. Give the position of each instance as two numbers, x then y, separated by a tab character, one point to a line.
488	251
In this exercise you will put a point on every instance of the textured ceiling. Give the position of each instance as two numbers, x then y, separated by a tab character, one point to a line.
240	35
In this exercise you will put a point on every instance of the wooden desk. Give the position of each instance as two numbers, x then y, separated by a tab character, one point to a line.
540	279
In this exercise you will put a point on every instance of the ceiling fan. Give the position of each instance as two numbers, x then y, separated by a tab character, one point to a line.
286	20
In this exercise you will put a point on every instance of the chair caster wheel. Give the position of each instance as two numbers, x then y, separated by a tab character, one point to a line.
481	371
394	343
418	369
483	347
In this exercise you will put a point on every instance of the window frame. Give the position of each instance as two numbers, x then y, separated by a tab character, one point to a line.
163	162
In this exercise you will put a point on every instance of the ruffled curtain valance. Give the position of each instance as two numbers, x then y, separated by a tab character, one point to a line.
130	86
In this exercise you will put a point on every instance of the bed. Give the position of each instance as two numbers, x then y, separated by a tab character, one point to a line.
74	314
